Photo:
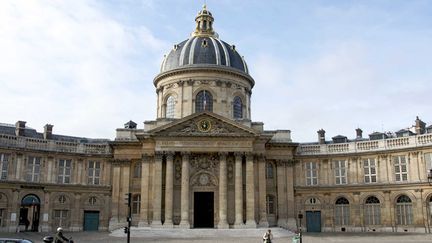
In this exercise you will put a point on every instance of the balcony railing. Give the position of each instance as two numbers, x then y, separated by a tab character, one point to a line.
53	145
366	146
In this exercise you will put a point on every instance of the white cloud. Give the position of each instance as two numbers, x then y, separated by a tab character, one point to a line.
67	63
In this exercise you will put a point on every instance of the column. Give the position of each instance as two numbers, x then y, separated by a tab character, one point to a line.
262	188
291	212
281	191
169	179
115	197
250	191
184	223
145	174
223	203
238	188
157	191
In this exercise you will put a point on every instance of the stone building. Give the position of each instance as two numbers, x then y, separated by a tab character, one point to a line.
203	163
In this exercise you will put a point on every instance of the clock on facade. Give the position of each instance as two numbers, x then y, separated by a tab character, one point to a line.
204	125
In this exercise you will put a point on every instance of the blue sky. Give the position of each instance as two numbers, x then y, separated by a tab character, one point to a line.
87	66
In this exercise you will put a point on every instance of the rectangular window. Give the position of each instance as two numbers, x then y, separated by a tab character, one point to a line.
33	169
64	171
94	171
60	217
137	170
401	168
311	173
340	171
270	200
428	161
4	165
369	166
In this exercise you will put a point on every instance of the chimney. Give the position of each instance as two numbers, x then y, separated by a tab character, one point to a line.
420	126
359	133
48	131
321	136
20	128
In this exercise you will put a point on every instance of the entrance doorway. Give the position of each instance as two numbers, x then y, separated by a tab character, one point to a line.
29	213
91	220
313	221
203	210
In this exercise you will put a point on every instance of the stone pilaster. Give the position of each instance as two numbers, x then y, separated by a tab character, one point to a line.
250	191
223	223
114	221
262	189
282	197
145	174
238	188
184	223
291	212
169	180
157	191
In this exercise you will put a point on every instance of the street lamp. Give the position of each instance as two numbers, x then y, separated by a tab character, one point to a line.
300	217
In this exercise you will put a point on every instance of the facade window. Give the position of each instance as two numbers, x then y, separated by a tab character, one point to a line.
137	170
340	172
94	171
269	171
60	218
369	166
237	108
136	204
33	169
404	213
311	173
400	167
4	165
204	101
170	107
270	203
64	171
372	211
342	211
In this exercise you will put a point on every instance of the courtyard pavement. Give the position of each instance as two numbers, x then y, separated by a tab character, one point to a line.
231	235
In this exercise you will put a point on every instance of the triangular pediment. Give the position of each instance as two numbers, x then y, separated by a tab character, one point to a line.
204	124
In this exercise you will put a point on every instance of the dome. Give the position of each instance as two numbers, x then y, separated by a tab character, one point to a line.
203	49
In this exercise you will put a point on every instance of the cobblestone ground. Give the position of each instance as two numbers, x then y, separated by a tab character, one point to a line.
240	236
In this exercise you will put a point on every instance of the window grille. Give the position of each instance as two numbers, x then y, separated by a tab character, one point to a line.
372	211
340	172
401	168
237	108
369	166
94	171
404	213
170	107
311	173
204	101
33	169
342	211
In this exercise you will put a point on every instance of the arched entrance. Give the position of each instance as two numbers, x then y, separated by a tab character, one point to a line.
29	212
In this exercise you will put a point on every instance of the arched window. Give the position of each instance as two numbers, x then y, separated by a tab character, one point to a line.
404	212
372	211
136	203
204	101
269	171
170	107
342	213
237	108
270	203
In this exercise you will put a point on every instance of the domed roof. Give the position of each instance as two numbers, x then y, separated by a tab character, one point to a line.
203	48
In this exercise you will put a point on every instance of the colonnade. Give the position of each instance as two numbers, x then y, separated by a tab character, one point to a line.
185	191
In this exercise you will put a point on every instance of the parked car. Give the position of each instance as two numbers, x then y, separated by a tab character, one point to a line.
14	240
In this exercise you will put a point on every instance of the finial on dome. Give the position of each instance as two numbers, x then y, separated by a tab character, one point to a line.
204	23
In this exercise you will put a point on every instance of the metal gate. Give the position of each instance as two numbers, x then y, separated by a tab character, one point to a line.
313	221
91	220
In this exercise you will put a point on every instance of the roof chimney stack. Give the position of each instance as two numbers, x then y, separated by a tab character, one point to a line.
359	133
20	128
321	136
48	131
420	126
